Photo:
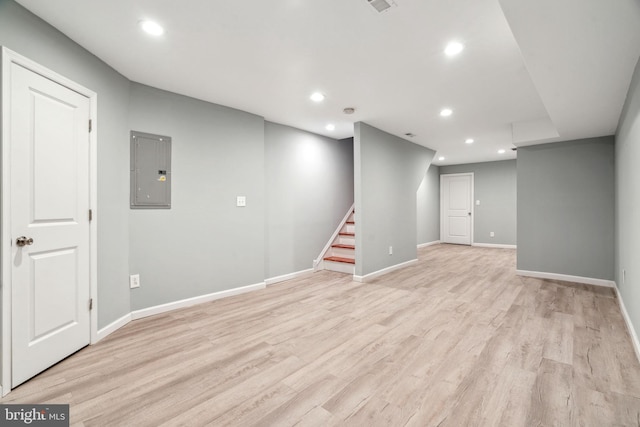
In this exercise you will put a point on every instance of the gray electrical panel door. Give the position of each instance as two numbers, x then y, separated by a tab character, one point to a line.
150	171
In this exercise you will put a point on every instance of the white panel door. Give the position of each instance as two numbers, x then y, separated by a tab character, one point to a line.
456	208
49	222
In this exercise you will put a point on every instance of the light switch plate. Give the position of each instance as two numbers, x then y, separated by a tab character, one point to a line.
134	281
241	201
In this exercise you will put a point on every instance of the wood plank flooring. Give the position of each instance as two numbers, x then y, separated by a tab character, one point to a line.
456	339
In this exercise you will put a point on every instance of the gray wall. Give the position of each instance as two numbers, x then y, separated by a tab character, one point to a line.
566	208
218	153
628	202
428	201
309	188
204	243
495	186
388	172
28	35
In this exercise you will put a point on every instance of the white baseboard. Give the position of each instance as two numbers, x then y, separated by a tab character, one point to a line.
145	312
424	245
378	273
295	275
493	245
113	326
567	278
163	308
627	320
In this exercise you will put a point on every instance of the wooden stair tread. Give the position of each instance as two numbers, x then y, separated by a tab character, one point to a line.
340	259
346	233
340	245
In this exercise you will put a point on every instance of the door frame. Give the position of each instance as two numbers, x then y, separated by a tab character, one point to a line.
473	214
10	57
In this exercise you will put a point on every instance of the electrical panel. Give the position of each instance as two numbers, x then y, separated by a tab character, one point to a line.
150	171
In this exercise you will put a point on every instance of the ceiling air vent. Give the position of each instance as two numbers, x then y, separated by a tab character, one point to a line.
381	5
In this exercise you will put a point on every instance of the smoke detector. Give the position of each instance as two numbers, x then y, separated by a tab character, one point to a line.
382	5
349	110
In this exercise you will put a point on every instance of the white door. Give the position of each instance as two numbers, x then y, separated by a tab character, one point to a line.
49	213
456	197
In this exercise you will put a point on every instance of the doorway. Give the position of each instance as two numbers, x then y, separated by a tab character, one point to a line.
456	208
48	218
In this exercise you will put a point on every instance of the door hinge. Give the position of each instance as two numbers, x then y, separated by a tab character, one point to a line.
90	214
91	304
90	125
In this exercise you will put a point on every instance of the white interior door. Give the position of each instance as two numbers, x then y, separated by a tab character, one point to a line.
49	215
456	196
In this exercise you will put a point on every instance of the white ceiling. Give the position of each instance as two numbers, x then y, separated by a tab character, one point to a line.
541	71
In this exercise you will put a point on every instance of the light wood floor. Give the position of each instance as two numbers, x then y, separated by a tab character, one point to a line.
455	340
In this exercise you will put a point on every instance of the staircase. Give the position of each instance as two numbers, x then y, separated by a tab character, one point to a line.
341	254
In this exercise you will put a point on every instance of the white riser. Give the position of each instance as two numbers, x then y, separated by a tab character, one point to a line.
340	267
346	240
342	252
329	251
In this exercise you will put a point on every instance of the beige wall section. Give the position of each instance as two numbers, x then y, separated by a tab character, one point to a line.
627	158
388	173
309	188
204	243
428	216
566	206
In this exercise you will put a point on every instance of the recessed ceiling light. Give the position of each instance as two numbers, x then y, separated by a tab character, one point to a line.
317	97
469	141
453	48
501	151
441	158
330	127
446	112
152	28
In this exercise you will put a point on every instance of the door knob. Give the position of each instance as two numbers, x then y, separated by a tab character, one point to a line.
23	241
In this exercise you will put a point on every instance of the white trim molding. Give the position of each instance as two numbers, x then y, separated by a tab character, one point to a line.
627	320
93	223
370	276
567	278
163	308
494	245
424	245
188	302
294	275
112	327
